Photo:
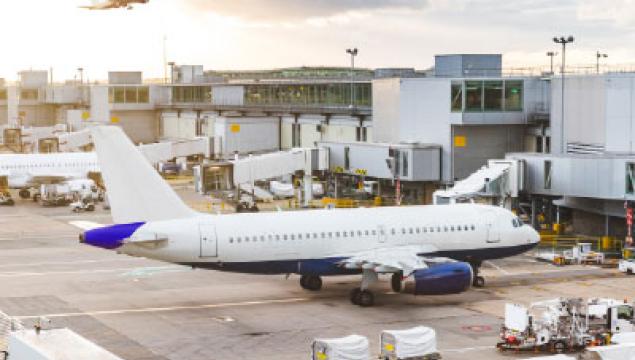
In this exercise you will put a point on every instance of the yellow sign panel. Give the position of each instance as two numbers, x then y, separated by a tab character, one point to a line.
235	128
114	120
85	115
460	141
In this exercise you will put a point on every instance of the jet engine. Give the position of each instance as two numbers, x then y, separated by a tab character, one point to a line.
440	279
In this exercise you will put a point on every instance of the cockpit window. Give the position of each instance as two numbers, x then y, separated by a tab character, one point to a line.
516	222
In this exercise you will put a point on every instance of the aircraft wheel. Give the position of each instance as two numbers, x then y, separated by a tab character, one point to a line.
24	194
355	296
311	282
363	298
559	347
479	282
395	282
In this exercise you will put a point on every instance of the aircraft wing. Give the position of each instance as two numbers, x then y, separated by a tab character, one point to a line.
406	259
101	6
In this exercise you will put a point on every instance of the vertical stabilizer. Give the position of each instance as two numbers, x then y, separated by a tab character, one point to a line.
136	192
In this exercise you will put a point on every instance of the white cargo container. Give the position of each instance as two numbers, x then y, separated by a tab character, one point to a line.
59	344
354	347
419	342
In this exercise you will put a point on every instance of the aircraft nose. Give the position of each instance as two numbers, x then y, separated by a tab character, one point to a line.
533	235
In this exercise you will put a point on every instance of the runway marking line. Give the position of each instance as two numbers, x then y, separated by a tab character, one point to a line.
164	309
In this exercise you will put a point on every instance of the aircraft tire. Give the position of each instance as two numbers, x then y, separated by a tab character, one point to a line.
363	298
366	298
395	282
311	282
24	194
355	296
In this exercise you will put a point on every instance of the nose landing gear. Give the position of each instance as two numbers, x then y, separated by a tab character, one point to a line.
478	281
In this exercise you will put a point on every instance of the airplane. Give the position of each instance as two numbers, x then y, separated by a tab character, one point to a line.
28	171
114	4
427	250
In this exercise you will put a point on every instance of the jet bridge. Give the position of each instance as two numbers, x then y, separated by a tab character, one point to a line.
499	179
273	165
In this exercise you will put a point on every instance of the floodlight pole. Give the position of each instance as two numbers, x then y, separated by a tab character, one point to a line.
563	41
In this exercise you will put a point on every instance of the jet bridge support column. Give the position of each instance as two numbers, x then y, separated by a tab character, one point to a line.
308	189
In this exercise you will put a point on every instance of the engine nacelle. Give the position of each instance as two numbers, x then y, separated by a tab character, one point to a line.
440	279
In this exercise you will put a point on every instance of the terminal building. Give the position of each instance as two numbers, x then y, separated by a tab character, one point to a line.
426	130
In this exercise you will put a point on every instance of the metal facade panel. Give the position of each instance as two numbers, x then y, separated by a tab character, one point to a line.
386	109
619	114
481	144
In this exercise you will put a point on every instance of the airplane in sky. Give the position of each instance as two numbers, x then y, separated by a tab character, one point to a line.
113	4
29	171
427	250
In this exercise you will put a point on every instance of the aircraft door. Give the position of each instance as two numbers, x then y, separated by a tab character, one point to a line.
382	234
492	230
209	243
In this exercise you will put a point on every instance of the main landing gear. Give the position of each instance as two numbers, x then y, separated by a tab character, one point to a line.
478	280
311	282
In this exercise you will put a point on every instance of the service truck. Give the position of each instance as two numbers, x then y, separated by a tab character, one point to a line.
564	324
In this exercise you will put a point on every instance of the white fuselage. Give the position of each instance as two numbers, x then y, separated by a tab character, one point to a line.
30	170
462	232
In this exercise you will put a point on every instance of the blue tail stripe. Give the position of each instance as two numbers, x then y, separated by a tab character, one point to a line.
111	237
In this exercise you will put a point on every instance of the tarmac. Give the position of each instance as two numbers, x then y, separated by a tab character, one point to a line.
141	309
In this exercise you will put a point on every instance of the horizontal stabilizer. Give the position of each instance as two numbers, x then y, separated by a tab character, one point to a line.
86	225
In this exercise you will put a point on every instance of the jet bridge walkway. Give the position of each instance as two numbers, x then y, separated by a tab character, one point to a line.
501	179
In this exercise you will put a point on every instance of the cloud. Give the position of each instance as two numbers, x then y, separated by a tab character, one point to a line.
285	10
617	12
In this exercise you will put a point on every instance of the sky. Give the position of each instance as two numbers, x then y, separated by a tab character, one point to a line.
261	34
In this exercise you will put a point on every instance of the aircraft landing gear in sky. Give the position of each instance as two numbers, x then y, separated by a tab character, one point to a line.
311	282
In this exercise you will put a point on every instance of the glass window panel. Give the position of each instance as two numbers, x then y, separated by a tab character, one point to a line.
144	96
120	97
493	96
473	96
457	96
131	95
513	95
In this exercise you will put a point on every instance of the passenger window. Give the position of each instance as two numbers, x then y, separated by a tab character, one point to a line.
299	236
255	239
445	229
337	234
238	240
403	231
417	230
473	227
366	232
277	237
231	240
292	237
393	231
410	231
262	238
352	233
323	235
330	234
374	232
308	236
345	234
